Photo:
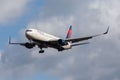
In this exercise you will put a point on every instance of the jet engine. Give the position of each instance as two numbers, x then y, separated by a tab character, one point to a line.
29	45
62	42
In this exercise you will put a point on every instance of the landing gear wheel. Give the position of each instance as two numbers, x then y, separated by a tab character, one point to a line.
41	51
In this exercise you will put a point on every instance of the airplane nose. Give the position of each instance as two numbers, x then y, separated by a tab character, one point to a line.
27	33
28	30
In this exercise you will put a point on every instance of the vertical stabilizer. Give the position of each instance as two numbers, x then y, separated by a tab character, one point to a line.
69	32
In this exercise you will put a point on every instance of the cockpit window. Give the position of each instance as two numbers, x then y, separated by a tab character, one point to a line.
28	30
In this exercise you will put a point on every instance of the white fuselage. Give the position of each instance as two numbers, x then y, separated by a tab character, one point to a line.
38	35
33	34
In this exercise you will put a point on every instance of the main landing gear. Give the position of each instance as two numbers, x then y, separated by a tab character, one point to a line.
41	51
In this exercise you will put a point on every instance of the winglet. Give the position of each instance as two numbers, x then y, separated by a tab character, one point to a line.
9	40
69	32
107	30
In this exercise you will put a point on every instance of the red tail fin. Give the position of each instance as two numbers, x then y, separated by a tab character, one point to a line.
69	32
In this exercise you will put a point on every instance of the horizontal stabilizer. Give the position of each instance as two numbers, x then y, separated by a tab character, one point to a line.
80	44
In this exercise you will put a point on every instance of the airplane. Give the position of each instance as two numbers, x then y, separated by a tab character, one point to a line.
45	40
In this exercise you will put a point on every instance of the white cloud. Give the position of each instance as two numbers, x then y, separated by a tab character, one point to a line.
11	9
96	61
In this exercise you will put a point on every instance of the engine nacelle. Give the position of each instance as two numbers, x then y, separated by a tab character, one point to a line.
62	42
64	45
29	45
68	46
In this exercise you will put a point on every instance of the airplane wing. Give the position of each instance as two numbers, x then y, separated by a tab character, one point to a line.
26	44
86	38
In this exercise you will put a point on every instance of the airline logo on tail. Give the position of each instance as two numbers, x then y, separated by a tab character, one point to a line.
69	32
